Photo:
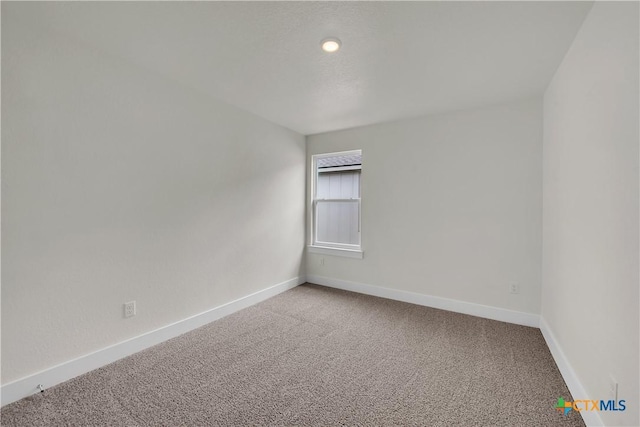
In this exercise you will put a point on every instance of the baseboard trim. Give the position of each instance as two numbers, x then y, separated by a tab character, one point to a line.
590	418
479	310
50	377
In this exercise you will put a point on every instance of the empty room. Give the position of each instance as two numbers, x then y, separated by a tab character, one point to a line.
320	213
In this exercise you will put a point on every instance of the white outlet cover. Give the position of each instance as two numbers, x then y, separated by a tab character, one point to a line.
130	309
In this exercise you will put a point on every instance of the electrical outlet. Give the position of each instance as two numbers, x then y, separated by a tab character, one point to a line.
129	309
613	388
514	288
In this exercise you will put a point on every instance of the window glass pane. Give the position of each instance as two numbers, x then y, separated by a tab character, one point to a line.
337	199
338	221
339	185
340	161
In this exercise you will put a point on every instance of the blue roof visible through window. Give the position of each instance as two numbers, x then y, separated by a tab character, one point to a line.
339	161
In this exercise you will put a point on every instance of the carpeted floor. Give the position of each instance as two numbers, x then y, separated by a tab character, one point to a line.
320	356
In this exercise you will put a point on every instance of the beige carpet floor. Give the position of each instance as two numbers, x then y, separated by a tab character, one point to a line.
320	356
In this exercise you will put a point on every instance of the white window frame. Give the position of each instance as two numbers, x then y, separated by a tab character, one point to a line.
330	248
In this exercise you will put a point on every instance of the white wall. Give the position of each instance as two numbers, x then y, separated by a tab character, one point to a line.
451	205
590	261
120	185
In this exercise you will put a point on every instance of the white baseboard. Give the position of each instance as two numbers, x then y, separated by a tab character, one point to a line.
591	418
479	310
27	386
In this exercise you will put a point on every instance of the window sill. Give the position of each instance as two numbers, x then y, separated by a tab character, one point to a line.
349	253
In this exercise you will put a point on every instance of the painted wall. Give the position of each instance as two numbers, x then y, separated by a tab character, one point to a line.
451	205
119	185
590	261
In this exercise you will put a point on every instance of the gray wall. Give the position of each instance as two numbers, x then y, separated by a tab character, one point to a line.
451	205
590	262
120	185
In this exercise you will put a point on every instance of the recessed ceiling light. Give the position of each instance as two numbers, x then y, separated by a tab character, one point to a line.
330	44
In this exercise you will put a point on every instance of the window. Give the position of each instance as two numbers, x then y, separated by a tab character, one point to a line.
336	203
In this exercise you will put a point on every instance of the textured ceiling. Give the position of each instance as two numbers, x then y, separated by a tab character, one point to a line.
398	59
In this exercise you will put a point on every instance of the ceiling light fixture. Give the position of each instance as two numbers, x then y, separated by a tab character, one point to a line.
331	44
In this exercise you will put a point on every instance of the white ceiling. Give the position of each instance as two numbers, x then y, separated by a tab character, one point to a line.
398	59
